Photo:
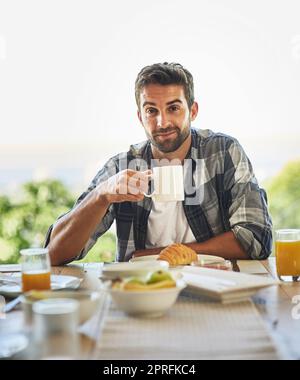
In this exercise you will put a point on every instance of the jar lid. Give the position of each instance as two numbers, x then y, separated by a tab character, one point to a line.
55	306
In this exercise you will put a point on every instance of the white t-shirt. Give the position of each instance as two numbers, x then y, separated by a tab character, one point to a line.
167	224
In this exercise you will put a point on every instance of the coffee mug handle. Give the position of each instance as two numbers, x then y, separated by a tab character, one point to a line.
149	195
152	194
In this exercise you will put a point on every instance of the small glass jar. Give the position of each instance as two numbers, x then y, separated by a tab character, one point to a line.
55	328
36	269
287	252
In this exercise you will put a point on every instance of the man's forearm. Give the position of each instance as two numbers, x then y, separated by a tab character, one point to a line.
225	245
71	232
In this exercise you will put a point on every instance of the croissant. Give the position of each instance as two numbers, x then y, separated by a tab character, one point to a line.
178	254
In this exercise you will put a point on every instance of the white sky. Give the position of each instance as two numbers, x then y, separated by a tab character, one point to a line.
67	72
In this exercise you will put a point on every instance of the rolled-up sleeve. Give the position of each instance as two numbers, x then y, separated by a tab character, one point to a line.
107	171
247	204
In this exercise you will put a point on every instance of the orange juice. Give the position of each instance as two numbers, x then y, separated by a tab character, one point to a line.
36	281
288	258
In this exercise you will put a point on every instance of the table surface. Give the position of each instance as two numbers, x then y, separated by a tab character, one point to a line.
275	305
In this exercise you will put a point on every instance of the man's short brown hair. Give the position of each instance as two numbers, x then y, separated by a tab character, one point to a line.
165	74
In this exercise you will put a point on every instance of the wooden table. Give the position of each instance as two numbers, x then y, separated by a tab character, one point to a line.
14	320
275	304
276	307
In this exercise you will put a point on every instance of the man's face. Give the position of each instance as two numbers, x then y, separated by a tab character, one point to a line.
165	116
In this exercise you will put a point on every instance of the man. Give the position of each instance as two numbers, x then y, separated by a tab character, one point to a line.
227	213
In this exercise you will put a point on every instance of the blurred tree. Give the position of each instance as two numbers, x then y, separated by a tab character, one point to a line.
284	196
103	250
25	224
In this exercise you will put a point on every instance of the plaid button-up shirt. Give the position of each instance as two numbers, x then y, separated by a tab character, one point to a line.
222	195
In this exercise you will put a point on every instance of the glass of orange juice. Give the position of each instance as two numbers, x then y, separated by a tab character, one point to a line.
35	269
287	250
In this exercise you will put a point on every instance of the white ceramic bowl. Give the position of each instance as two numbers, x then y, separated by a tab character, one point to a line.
150	303
127	269
89	301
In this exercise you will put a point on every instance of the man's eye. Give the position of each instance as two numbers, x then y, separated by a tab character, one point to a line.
150	111
174	108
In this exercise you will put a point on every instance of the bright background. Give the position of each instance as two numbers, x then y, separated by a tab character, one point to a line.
67	72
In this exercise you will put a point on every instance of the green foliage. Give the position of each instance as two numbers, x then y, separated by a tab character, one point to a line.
103	250
284	197
24	224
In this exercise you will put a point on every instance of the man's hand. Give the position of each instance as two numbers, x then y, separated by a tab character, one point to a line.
127	185
72	231
147	252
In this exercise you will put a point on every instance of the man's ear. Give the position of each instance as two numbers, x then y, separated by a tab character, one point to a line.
194	111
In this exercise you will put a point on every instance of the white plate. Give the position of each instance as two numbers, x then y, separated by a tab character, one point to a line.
57	282
126	269
10	268
224	286
205	259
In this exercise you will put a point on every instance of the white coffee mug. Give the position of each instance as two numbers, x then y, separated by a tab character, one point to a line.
168	184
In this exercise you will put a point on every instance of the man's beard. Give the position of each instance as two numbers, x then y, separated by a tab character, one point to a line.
169	145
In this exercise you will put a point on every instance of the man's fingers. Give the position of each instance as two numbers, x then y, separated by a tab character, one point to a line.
141	186
140	180
144	176
130	182
130	198
137	189
140	174
147	174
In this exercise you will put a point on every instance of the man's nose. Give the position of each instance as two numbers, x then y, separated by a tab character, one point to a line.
162	121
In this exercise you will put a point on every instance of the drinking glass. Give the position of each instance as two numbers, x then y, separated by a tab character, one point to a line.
55	328
35	269
287	250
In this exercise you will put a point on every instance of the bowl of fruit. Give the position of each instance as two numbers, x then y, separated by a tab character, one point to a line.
148	296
